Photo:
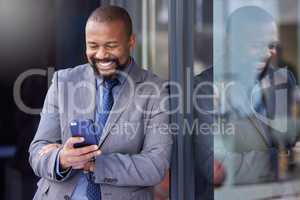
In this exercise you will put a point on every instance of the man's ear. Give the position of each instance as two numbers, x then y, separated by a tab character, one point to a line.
132	41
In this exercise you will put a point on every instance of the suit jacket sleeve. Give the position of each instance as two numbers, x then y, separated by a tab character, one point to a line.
148	167
48	132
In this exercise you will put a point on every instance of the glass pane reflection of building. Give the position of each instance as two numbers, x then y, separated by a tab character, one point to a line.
256	99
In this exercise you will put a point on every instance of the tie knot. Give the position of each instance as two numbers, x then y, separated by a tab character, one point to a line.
109	84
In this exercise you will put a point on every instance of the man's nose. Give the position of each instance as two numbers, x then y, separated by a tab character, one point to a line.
101	53
266	52
273	51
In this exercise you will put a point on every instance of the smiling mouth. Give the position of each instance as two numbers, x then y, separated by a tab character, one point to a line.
105	64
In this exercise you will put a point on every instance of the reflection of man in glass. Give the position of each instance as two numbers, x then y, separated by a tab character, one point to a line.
253	38
256	100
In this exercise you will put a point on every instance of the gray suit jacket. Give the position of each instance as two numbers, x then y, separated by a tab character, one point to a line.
135	143
247	153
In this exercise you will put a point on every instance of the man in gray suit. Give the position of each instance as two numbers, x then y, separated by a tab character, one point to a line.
257	104
129	104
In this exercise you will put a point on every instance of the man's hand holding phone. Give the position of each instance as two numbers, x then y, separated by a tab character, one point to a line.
76	157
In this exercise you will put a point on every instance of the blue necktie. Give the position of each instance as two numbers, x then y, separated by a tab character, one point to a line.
259	101
107	103
93	190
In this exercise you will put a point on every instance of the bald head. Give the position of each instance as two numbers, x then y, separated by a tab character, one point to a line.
248	21
251	36
108	14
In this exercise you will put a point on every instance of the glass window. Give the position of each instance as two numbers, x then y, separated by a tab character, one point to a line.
150	23
256	99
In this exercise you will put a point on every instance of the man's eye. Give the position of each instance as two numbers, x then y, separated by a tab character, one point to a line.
111	46
93	46
273	45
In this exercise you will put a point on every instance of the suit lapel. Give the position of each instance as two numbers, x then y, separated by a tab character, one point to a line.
261	129
87	95
268	99
123	100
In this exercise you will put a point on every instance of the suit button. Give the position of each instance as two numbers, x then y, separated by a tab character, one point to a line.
66	197
114	180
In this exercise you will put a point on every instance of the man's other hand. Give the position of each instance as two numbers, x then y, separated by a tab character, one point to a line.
89	166
219	173
76	157
47	148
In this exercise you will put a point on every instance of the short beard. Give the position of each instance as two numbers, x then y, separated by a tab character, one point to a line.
263	73
116	61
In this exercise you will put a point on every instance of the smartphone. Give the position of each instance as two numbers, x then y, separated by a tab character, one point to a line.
84	128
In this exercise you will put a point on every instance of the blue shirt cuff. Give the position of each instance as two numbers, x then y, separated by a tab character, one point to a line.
62	174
